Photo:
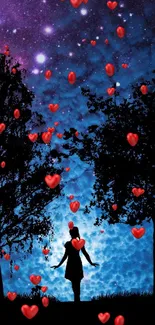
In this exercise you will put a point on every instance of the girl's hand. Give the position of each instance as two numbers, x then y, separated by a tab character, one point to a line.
54	267
95	264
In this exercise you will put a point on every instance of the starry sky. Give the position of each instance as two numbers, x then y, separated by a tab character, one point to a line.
44	34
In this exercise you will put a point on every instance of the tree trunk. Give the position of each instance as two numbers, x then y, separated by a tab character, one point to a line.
1	288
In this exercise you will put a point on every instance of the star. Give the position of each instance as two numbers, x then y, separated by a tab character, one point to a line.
83	12
40	58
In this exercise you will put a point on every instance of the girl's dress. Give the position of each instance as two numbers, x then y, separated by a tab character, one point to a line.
74	269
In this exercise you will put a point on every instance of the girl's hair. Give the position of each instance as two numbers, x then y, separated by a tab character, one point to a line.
74	232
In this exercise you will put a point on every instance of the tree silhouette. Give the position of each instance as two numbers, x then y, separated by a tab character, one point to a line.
118	166
23	191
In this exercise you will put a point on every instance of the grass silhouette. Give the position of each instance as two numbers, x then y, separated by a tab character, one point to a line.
136	309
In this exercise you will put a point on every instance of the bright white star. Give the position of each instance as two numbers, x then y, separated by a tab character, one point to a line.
48	30
40	58
83	12
35	71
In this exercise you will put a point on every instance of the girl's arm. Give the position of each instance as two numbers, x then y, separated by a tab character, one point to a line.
88	257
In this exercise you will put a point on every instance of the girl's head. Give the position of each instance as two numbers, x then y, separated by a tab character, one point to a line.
74	232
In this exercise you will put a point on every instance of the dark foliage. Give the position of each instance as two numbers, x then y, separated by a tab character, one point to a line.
118	166
23	191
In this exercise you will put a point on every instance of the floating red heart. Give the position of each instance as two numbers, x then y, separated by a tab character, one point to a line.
59	135
3	164
70	224
144	89
106	41
114	207
44	289
78	244
7	257
35	279
46	137
138	191
124	65
11	295
103	317
53	107
138	233
119	320
112	5
71	77
120	32
16	113
132	138
56	123
45	251
2	127
111	91
52	181
33	137
110	69
16	267
76	133
71	197
93	43
75	3
29	311
45	301
48	74
74	206
85	1
14	70
67	169
51	130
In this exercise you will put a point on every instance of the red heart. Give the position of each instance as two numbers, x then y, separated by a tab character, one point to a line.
16	113
45	301
52	181
70	224
11	295
2	127
67	169
35	279
76	133
75	3
137	191
93	43
56	123
112	5
44	289
53	107
29	311
85	1
78	244
45	251
7	257
119	320
106	41
33	137
124	65
132	138
16	267
114	207
59	135
46	137
138	233
3	164
110	91
51	130
74	206
144	89
71	197
103	317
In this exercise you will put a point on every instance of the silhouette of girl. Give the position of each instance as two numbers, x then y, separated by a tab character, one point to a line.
74	269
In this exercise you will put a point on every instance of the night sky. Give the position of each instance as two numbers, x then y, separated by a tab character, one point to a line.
53	35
